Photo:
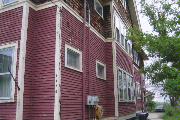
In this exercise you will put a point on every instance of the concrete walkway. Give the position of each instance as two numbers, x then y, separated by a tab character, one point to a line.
155	116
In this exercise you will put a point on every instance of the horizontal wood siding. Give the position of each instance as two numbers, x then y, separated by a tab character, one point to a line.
102	25
124	61
126	108
29	70
107	22
71	86
110	105
10	31
125	14
72	81
40	65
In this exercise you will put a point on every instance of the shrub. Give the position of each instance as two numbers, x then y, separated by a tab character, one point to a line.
169	110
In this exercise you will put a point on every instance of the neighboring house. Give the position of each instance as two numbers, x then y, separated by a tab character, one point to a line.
61	63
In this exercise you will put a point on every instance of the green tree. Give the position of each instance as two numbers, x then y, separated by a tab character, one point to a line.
163	44
150	104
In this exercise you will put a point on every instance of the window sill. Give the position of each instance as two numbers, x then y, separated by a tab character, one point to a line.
6	100
101	78
138	98
72	68
132	101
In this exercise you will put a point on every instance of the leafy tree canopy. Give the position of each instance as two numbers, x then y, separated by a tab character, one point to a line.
163	43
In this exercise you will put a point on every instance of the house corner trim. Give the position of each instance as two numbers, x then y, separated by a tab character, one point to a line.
57	105
115	79
22	56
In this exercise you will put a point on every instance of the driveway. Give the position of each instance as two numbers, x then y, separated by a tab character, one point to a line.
155	116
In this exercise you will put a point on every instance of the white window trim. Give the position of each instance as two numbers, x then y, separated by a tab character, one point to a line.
119	24
124	3
101	6
2	3
11	99
139	92
80	55
98	62
118	68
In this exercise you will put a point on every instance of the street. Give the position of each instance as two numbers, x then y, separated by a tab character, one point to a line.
155	116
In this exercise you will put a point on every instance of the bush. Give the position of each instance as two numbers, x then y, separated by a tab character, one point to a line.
169	110
151	106
171	113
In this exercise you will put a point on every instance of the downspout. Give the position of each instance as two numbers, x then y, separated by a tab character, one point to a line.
84	65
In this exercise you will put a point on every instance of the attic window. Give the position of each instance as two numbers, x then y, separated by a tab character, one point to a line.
98	7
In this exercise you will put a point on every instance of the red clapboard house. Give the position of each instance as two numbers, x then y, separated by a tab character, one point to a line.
60	58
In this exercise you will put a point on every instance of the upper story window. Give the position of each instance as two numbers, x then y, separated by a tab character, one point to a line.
129	48
122	39
6	2
98	7
124	2
126	86
7	70
73	58
100	70
136	57
117	35
126	44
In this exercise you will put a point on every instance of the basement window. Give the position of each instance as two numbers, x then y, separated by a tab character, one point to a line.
98	7
100	70
6	2
73	58
8	59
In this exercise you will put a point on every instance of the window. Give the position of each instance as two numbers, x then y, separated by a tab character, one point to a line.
120	85
138	91
136	57
98	7
7	69
133	89
122	39
117	35
125	86
126	44
124	2
5	2
100	70
73	58
129	48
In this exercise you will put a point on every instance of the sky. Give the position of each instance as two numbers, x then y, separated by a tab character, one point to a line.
145	26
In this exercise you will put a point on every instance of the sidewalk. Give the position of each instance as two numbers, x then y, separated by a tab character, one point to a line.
155	116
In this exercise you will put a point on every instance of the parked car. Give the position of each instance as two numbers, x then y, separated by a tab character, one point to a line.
159	108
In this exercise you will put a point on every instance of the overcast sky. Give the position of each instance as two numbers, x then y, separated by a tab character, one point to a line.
147	28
